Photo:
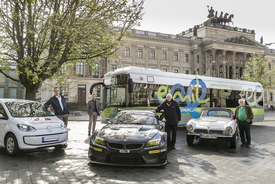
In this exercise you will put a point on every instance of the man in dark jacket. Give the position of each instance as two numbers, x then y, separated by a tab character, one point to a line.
244	115
93	109
59	105
173	116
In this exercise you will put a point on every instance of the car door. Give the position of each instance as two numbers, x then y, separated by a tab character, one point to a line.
3	123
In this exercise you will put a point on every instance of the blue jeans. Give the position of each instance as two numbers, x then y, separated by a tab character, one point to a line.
244	128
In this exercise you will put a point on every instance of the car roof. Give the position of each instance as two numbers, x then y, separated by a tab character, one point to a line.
139	112
15	100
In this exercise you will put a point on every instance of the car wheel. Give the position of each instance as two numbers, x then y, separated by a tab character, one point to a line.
234	140
11	145
190	139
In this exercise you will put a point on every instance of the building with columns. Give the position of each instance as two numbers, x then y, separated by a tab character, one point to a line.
207	49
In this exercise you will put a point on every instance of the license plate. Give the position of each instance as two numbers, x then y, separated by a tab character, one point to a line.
124	151
154	151
98	149
210	136
50	138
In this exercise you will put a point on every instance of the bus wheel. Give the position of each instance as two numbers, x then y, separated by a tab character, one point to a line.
11	145
190	139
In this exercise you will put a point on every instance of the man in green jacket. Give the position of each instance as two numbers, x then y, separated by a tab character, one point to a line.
244	115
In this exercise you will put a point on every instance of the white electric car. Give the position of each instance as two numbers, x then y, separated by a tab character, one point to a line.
27	124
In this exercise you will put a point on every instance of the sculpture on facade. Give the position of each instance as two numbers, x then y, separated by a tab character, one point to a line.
221	19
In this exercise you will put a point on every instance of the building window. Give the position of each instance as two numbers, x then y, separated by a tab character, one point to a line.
164	55
140	53
197	72
176	58
95	72
270	97
198	59
237	72
269	66
1	92
64	69
210	72
64	90
186	71
186	58
221	72
97	91
113	67
127	51
269	81
210	58
164	69
12	92
152	54
241	72
80	68
176	71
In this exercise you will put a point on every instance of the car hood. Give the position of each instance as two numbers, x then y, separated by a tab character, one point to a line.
39	122
214	122
129	132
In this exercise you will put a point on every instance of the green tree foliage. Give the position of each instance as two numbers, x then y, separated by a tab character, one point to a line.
42	35
258	69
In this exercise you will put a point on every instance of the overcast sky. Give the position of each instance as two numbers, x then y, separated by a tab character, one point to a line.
175	16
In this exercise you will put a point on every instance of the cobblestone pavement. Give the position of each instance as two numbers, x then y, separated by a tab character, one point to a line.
204	162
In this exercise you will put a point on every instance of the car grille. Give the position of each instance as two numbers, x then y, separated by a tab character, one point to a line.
115	145
217	132
129	159
201	131
134	146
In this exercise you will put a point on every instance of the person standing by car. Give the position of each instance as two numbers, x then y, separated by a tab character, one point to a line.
173	116
93	109
59	105
244	115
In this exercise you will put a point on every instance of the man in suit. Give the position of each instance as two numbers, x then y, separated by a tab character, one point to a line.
93	109
59	105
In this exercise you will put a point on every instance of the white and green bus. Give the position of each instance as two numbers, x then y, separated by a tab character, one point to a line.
146	88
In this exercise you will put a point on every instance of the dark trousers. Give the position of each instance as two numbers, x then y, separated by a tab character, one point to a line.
168	129
244	128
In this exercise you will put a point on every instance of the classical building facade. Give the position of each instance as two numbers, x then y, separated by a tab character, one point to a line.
208	49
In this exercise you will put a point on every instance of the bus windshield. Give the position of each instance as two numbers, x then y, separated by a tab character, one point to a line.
114	96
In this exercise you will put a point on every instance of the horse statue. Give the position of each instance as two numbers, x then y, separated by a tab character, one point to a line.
224	19
220	18
229	19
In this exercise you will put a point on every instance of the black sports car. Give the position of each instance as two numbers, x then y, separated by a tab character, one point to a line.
134	138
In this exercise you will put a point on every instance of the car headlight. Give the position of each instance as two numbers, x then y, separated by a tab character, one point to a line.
189	128
228	130
26	128
154	142
62	126
100	141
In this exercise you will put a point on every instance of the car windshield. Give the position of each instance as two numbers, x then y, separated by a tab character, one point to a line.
27	109
226	113
125	118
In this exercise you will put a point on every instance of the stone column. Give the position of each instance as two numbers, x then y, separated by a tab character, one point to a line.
181	60
244	61
170	59
234	65
158	56
133	54
146	55
224	63
206	64
213	63
194	60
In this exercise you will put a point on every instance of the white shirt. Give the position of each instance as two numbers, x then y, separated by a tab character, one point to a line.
60	102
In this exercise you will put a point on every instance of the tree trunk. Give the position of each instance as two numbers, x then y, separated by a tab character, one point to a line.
31	91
